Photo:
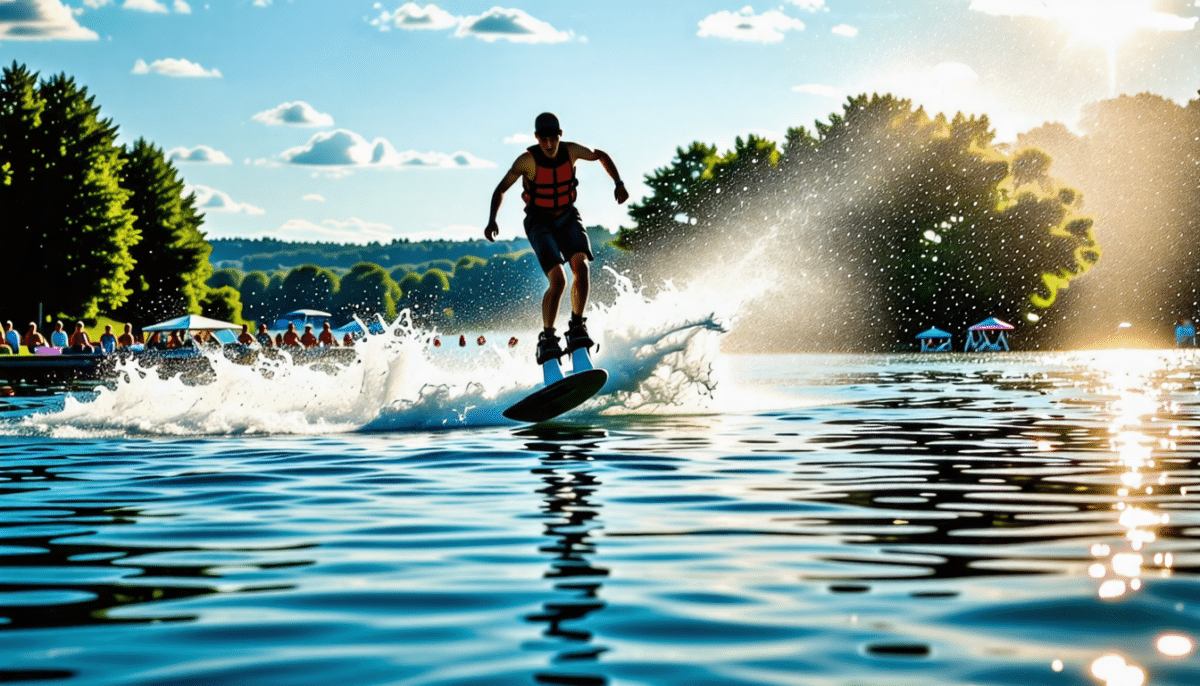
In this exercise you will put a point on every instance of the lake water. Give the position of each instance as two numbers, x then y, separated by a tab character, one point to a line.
717	520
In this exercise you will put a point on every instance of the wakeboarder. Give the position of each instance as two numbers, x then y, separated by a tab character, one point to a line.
554	227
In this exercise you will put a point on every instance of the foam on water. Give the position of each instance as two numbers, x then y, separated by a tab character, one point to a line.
662	355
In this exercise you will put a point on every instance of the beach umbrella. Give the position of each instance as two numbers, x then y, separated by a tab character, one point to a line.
192	322
933	332
934	340
992	324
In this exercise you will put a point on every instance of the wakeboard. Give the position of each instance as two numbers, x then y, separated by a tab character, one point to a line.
560	393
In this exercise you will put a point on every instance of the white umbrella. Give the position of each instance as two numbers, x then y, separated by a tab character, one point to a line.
192	322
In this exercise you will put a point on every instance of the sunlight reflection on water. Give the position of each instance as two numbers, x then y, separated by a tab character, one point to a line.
1003	519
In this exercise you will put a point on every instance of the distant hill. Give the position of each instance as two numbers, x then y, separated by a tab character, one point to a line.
269	254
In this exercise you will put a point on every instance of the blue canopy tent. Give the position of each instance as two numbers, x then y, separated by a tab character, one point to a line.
979	338
353	328
934	341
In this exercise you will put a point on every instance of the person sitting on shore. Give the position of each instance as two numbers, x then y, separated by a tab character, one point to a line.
264	336
126	339
308	339
80	342
108	341
58	337
290	338
246	338
11	338
33	338
326	338
348	341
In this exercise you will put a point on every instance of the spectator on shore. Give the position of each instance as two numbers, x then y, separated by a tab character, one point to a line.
126	339
290	337
12	338
80	342
264	336
308	339
58	337
348	341
246	338
33	338
108	341
1185	333
156	342
326	338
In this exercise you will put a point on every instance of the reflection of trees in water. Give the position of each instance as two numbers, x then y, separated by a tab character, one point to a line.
571	517
976	484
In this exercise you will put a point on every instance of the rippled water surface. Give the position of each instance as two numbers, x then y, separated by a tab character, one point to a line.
835	520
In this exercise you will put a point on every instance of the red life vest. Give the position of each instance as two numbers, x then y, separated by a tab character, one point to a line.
554	183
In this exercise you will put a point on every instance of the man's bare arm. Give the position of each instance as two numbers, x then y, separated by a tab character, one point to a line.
498	196
581	152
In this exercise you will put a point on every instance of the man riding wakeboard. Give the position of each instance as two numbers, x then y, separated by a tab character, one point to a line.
554	227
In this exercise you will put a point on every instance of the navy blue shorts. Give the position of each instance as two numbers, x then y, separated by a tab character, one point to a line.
555	239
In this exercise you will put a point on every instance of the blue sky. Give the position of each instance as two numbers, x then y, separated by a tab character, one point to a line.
353	120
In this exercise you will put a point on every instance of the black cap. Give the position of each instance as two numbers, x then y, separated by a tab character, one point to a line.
546	123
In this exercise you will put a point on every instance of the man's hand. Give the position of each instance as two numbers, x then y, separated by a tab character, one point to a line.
493	229
621	194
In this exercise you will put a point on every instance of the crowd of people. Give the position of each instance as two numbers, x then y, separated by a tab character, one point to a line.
80	342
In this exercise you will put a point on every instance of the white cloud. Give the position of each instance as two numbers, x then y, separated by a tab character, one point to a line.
520	139
212	200
313	197
820	89
810	5
182	7
40	20
201	154
146	6
511	25
412	16
342	148
297	113
353	230
845	30
262	3
174	67
97	4
745	25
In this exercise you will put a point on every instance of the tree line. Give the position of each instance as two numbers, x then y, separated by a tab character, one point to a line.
472	292
90	226
878	224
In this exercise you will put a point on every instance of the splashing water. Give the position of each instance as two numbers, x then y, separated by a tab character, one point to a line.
661	354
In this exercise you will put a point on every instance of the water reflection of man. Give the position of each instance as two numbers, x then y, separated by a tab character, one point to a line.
571	518
553	225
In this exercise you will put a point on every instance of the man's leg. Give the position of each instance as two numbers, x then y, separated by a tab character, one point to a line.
579	283
577	333
553	295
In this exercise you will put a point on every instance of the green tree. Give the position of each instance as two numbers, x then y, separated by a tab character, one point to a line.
679	191
886	219
423	296
226	277
64	209
171	259
366	290
222	303
254	292
308	286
